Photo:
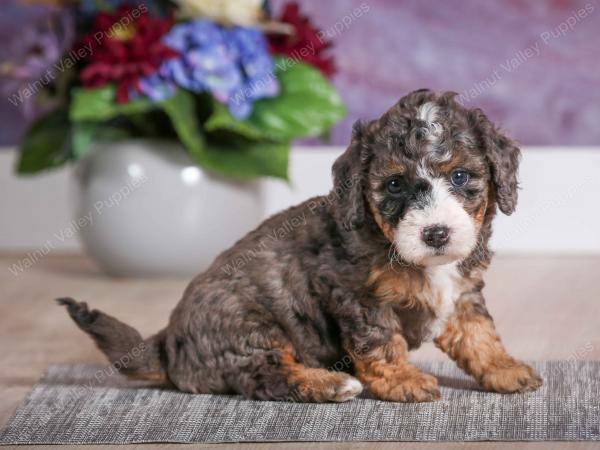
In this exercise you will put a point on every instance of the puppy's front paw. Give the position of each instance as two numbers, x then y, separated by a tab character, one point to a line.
414	387
518	377
347	390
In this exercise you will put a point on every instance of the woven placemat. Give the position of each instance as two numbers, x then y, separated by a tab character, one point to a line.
78	404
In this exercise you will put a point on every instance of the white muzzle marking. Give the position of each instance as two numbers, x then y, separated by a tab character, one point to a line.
442	209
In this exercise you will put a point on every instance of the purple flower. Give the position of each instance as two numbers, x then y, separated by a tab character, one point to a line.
156	86
232	64
89	8
257	66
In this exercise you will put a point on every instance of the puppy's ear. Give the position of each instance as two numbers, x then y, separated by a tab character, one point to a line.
503	156
348	172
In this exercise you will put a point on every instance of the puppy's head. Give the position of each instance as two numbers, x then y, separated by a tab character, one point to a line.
429	171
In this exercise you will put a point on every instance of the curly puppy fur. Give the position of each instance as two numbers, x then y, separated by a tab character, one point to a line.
329	296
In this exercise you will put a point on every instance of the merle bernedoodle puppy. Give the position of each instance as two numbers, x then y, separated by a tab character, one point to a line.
392	257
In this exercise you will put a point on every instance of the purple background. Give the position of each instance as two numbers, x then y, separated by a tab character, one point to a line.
551	97
399	46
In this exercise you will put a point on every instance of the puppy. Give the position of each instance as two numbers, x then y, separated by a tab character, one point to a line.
329	296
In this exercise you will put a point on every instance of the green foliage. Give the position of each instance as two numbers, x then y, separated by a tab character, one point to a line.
84	134
247	159
46	143
100	104
308	105
228	155
182	111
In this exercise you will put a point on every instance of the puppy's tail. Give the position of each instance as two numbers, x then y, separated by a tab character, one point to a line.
124	347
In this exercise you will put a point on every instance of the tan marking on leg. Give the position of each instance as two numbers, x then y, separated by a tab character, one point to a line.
317	385
389	376
157	377
472	341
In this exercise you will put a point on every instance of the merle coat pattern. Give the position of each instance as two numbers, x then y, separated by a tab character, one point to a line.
327	297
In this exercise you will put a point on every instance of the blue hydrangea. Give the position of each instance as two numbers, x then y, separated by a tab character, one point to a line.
89	8
233	64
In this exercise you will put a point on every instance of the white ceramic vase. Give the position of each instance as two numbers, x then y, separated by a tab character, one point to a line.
146	209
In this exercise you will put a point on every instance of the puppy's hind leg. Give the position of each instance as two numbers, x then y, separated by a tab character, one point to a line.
293	381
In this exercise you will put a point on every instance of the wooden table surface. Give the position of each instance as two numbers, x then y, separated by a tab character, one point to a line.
544	307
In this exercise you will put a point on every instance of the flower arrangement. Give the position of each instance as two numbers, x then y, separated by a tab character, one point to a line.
233	84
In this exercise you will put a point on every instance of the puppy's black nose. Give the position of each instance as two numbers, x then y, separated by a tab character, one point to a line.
436	236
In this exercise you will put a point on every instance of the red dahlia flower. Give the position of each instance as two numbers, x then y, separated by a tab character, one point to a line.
305	43
125	46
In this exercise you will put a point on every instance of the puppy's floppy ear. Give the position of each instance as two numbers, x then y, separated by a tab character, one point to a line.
348	172
503	156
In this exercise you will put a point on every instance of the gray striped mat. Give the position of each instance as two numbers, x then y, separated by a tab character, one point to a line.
78	404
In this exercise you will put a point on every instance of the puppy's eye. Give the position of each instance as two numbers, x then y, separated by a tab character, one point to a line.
394	186
459	177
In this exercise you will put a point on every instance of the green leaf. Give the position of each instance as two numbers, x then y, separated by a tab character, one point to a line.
182	111
98	105
83	134
308	105
46	144
238	158
247	159
221	119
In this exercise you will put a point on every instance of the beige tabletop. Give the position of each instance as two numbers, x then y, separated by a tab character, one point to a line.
544	307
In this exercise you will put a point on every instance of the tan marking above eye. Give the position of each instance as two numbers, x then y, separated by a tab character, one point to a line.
378	180
456	162
393	169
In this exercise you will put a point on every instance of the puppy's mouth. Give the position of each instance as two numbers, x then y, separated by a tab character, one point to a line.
441	257
420	253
